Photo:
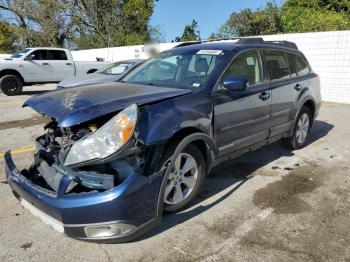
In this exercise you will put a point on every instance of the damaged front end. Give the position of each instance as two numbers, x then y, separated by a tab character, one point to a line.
83	190
52	148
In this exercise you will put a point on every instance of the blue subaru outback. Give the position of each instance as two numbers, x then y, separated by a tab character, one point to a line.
116	155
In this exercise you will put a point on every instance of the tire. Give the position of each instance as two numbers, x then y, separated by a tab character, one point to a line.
11	85
177	182
299	139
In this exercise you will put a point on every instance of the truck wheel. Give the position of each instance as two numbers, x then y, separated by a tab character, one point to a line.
186	178
301	130
11	85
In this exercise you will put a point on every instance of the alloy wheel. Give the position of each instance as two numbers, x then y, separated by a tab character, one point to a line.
302	128
182	179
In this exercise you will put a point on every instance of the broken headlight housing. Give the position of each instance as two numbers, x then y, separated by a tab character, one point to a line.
106	140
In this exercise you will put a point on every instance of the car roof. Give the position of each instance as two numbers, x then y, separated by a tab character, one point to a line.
48	48
131	60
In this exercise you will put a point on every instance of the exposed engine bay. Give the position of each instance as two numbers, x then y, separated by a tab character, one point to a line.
48	167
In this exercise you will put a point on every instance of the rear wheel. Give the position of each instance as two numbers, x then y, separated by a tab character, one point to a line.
11	85
185	178
301	130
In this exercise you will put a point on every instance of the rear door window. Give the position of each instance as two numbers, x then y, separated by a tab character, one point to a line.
277	64
57	55
302	65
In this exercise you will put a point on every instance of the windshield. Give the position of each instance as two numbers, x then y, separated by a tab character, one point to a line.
116	68
180	68
21	53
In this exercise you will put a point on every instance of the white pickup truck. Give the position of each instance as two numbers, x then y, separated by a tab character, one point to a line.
40	65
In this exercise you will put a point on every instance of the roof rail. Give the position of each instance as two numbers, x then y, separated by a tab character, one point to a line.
188	43
285	43
243	40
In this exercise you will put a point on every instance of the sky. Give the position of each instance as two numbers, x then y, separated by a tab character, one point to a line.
172	15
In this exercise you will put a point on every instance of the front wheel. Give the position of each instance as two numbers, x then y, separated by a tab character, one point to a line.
185	178
301	130
11	85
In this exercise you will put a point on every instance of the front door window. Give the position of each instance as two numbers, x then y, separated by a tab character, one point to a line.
247	66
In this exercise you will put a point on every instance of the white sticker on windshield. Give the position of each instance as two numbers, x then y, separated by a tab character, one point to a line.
209	52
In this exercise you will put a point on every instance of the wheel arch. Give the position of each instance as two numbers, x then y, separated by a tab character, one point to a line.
190	138
11	72
310	104
196	136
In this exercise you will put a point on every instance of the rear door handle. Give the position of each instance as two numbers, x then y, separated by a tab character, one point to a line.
45	63
264	95
298	87
69	64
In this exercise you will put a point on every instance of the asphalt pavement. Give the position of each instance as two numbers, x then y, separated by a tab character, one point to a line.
269	205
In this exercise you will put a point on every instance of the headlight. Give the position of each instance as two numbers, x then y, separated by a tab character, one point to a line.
106	140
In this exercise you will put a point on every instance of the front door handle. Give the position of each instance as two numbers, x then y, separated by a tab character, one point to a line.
45	63
298	87
264	95
69	64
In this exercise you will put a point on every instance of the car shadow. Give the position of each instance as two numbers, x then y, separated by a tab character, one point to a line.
233	174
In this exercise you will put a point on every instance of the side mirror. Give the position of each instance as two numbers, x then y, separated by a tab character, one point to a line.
29	57
235	83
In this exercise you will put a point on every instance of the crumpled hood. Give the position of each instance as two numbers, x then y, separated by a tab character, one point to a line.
88	79
76	105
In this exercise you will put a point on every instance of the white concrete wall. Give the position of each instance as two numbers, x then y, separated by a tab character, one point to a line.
114	54
327	52
329	55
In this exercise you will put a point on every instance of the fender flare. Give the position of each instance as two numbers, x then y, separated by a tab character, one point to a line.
11	72
301	104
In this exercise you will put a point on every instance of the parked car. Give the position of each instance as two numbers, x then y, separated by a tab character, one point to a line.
117	154
41	65
111	73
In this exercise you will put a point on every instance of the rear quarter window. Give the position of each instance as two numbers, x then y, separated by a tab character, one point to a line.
292	65
302	66
277	64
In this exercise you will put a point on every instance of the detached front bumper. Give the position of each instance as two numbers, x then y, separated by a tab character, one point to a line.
116	215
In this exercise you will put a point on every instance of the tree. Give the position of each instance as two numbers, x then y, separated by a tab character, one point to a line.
250	23
79	23
37	22
315	15
190	33
7	38
111	22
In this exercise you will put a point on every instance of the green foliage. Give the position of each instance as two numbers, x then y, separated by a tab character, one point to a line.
340	6
190	33
315	15
249	23
292	16
6	38
80	23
